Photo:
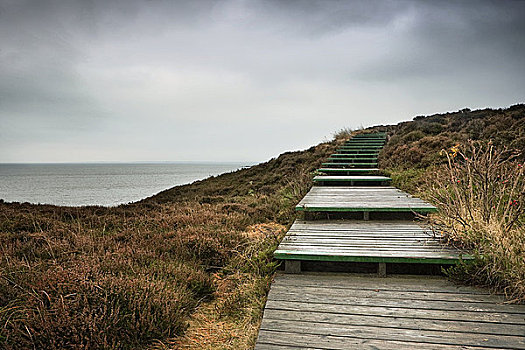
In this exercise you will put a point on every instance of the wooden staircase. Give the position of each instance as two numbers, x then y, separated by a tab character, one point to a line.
352	220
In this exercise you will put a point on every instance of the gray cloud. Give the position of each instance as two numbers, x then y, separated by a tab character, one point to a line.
164	80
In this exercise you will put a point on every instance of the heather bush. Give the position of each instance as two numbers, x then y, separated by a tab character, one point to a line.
480	193
130	277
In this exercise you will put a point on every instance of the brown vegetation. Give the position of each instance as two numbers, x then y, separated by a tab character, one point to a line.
190	267
132	276
417	143
480	195
474	212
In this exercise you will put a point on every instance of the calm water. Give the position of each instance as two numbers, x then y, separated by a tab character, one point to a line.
99	184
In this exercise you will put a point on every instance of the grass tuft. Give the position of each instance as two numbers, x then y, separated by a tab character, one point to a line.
480	193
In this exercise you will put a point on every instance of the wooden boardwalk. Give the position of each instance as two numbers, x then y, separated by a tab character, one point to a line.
372	241
351	180
308	310
342	171
359	199
348	311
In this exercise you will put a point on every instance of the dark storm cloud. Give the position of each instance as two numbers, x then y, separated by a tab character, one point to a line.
168	80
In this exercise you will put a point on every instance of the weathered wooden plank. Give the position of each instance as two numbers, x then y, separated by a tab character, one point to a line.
350	164
365	246
352	159
433	284
372	226
358	241
354	139
351	178
378	136
329	208
354	155
498	319
284	340
369	293
364	142
398	334
362	258
349	299
462	326
350	170
329	235
358	151
366	240
363	147
368	251
361	198
365	257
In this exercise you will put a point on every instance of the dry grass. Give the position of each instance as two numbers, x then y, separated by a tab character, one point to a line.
132	276
232	320
480	193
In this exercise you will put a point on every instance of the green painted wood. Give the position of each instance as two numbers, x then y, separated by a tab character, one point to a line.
379	142
374	159
350	163
293	255
369	138
352	178
363	149
366	140
354	155
347	170
378	135
357	152
421	210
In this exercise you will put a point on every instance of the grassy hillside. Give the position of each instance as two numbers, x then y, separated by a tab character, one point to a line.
417	143
129	277
470	165
190	267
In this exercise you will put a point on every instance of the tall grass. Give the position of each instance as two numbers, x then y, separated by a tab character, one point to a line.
480	193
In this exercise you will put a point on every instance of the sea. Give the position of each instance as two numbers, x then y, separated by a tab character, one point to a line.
105	184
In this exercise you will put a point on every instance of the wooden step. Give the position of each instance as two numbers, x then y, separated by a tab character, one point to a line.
358	151
381	142
350	165
382	135
352	159
348	311
366	144
347	171
355	155
351	180
362	199
365	241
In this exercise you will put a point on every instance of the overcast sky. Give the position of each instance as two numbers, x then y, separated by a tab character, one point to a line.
240	80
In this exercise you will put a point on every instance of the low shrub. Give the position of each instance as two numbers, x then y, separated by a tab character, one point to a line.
481	197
